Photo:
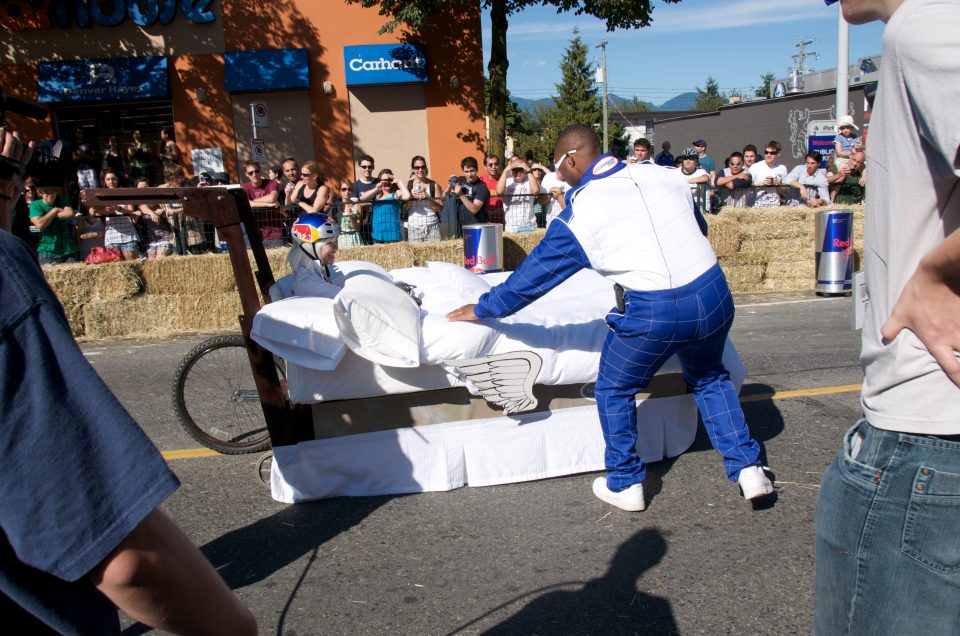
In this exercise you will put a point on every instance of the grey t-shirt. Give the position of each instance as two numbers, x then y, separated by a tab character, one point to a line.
913	202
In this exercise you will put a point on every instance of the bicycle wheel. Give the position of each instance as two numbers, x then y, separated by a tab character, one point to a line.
216	399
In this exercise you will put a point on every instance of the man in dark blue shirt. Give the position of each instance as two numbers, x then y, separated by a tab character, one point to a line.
80	532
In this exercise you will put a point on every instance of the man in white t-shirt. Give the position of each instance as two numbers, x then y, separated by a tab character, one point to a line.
888	511
518	186
553	190
767	177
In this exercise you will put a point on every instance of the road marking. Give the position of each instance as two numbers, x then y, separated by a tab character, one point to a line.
189	453
783	395
192	453
783	302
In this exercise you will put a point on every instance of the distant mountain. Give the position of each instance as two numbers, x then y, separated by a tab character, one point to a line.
682	101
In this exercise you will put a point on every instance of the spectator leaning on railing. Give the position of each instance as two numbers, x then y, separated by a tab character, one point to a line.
50	214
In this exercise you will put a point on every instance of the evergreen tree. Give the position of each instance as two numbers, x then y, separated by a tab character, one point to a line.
577	102
709	98
764	89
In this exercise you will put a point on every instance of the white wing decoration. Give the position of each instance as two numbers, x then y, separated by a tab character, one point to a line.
505	379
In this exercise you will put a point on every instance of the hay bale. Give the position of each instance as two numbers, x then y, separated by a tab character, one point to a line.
162	315
79	283
743	258
74	312
775	229
143	315
724	235
203	312
449	251
189	275
788	249
742	278
791	270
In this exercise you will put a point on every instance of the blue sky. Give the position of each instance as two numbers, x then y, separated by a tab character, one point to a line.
735	42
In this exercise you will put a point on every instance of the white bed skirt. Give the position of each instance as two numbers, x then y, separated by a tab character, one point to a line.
499	450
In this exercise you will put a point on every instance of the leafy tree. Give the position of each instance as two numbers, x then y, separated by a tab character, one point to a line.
764	89
618	14
517	120
709	98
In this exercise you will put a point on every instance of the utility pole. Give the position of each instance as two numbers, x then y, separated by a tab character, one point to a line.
843	66
603	78
801	57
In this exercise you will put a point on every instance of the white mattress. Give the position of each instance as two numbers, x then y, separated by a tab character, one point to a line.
565	328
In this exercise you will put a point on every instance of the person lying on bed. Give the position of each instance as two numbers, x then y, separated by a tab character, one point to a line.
312	255
634	224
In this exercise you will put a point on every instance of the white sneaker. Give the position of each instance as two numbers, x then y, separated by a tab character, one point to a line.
630	499
754	482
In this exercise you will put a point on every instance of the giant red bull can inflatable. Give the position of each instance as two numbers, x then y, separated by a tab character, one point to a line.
834	252
483	247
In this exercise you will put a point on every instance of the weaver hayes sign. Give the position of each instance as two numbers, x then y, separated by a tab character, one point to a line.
27	16
384	64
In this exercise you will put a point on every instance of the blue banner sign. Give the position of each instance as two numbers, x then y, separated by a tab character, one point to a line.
86	13
267	70
103	80
385	64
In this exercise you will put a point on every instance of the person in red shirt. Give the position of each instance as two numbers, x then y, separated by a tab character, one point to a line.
490	179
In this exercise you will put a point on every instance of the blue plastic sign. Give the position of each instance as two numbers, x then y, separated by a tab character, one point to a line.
385	64
822	144
103	80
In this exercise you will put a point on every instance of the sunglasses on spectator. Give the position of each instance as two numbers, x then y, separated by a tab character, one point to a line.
366	167
253	172
771	152
344	188
735	164
387	181
419	167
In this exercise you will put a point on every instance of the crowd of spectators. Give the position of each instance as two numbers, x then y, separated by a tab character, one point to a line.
748	180
384	206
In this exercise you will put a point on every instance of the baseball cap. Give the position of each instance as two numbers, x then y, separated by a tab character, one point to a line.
829	2
700	142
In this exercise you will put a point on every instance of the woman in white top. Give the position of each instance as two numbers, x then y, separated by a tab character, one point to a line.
518	186
423	223
120	231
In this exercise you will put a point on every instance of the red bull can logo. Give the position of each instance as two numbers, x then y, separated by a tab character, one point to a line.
834	258
483	247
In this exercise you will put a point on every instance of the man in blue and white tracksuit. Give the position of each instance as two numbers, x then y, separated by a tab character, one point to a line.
635	224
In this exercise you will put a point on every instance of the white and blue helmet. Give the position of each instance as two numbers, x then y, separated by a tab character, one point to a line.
312	230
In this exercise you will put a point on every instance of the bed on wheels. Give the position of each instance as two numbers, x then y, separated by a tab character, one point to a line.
378	394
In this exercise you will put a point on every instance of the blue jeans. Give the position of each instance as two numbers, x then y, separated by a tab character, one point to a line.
691	321
888	536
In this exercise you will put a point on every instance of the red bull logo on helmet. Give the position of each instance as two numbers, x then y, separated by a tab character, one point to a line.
305	232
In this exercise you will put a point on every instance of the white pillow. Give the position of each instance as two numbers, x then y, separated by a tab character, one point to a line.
379	321
301	330
356	268
469	286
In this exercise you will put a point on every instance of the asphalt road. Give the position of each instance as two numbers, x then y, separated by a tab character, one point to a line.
542	557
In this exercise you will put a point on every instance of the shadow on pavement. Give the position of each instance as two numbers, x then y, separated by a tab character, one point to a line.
610	604
250	554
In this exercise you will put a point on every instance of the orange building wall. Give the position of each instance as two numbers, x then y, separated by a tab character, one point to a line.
452	43
20	80
454	117
202	125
